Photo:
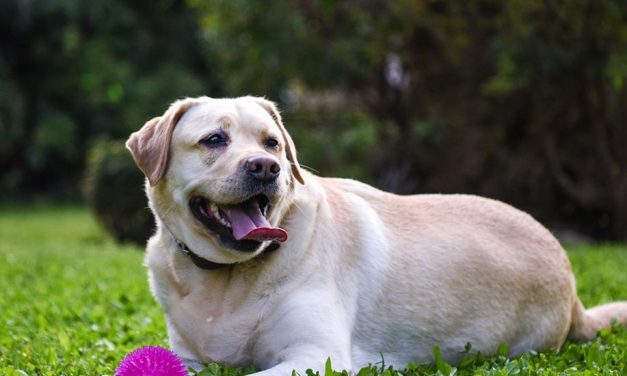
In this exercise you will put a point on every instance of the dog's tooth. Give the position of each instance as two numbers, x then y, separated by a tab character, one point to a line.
215	210
217	213
225	222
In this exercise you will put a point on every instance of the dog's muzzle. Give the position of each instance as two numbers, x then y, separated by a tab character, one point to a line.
242	226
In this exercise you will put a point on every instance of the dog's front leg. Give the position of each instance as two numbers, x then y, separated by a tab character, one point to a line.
304	357
302	335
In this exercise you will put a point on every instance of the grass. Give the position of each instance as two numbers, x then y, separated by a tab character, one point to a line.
72	302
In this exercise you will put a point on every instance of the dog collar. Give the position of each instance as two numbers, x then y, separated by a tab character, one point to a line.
205	264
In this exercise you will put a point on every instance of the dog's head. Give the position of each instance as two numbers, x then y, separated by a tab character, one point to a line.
219	171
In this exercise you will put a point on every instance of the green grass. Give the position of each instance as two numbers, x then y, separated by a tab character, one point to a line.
72	302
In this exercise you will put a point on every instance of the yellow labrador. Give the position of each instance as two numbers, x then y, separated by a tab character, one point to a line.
256	261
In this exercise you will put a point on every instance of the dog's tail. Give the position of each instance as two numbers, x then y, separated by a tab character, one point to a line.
585	324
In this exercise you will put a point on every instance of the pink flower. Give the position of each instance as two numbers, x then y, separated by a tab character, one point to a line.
151	361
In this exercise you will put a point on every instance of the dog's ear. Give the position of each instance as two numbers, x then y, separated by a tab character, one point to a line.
290	149
150	146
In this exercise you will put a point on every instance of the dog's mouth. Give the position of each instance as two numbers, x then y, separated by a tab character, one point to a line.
242	226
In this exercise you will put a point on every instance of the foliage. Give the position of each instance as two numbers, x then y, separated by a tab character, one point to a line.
72	72
75	303
520	100
114	191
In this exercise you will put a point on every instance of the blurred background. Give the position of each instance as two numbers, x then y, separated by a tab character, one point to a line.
523	100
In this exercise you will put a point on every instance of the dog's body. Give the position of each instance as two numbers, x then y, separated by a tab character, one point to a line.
363	275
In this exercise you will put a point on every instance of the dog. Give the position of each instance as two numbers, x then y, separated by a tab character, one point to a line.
256	261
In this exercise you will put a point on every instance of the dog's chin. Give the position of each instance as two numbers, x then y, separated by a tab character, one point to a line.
239	227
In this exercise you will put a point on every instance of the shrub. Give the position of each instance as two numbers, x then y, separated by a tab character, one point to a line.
113	188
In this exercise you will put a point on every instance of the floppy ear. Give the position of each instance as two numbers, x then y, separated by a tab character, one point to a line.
150	145
290	149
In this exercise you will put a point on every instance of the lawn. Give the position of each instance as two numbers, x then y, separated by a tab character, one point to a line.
72	302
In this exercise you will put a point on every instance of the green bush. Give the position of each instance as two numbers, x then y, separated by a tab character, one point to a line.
114	191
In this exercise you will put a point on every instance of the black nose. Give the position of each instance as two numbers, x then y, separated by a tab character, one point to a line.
265	169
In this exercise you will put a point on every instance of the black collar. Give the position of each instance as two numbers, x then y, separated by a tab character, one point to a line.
205	264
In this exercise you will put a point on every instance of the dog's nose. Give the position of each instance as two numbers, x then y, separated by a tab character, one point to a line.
264	169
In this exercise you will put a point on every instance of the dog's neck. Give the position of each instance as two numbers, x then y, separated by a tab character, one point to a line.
205	264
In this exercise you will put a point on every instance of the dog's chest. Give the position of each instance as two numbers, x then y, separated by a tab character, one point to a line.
218	326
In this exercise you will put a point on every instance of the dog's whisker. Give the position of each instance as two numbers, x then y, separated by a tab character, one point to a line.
308	168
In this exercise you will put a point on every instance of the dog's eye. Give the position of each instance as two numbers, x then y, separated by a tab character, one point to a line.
272	142
215	140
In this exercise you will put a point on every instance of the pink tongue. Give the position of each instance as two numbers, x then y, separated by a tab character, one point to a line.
248	223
